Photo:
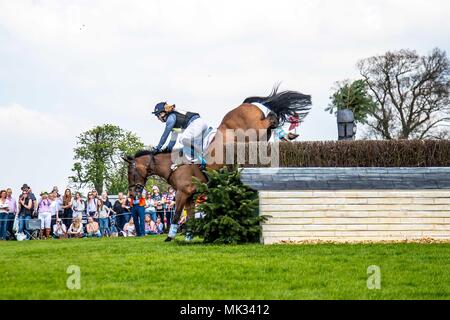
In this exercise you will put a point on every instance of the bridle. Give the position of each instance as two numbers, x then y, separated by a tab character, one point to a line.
137	186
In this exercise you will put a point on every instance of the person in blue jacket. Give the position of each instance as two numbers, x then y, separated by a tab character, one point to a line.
189	128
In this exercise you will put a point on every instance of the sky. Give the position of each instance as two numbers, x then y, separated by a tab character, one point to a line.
67	66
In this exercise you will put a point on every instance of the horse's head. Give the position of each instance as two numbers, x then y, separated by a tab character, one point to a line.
137	175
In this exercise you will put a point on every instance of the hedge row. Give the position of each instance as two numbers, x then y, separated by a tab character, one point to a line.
365	153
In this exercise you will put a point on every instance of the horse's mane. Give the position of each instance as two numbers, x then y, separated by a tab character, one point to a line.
142	153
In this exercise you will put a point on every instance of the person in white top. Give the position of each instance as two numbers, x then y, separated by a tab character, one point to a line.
4	208
45	214
76	229
129	230
55	205
78	207
59	229
103	215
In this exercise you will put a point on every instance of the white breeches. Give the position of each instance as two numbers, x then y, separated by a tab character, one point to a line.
46	219
193	137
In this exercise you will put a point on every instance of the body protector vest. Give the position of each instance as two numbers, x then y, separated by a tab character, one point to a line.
183	119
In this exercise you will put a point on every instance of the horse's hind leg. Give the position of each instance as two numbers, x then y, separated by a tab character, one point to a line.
272	121
267	125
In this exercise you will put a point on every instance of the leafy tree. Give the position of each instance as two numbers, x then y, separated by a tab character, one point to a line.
411	93
98	161
231	210
353	96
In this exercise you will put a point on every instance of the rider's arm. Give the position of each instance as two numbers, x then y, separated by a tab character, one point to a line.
170	123
173	140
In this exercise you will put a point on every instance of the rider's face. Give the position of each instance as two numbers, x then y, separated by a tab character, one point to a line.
162	117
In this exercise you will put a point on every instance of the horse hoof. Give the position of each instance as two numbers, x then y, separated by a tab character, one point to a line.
168	239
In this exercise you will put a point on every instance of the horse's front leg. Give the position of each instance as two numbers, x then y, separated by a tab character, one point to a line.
180	202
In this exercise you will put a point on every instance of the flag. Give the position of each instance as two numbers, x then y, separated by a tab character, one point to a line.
295	121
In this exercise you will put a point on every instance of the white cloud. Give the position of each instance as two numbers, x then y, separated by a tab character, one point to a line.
23	122
39	147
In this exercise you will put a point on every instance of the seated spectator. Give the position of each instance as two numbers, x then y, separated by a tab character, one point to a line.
76	229
159	226
150	226
129	230
59	230
92	228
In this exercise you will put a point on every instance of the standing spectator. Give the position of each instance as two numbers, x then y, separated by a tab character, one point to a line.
11	212
78	208
25	210
58	198
95	194
76	229
103	215
67	204
105	200
138	212
60	230
56	191
127	209
54	207
92	228
31	195
45	215
158	203
4	207
170	206
92	205
149	207
118	209
129	230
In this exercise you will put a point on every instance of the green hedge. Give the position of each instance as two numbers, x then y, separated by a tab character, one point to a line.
365	153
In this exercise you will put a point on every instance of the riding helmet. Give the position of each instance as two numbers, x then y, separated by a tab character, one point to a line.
159	108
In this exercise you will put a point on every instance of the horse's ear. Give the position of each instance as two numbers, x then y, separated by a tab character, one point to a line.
128	159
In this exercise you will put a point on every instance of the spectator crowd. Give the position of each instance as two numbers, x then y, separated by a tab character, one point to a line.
71	216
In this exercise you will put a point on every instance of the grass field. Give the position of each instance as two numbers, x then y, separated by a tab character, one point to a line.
148	268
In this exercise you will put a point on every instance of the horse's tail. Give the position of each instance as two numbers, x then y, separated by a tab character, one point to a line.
285	104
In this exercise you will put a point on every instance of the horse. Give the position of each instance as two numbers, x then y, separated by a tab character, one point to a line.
249	115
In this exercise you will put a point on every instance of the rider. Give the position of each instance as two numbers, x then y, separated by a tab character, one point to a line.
190	125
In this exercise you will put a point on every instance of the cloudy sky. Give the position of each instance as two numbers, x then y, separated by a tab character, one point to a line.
66	66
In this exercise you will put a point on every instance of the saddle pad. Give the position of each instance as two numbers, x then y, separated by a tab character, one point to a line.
262	107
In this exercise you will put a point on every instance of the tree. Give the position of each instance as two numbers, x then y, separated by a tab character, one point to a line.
231	209
98	161
354	96
411	92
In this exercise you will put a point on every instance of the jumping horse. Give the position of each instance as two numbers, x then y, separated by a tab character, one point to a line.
249	115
